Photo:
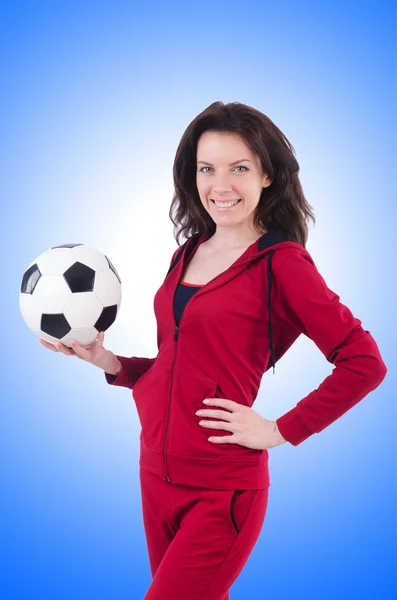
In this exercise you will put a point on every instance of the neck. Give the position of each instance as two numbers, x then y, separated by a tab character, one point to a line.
227	239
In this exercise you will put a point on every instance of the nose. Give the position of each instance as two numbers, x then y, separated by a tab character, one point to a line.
221	183
222	186
219	192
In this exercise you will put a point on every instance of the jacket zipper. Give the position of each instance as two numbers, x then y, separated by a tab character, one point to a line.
176	330
176	334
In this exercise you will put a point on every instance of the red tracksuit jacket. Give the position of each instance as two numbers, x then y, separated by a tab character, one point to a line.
230	332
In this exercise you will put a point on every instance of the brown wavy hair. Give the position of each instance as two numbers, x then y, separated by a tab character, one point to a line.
282	205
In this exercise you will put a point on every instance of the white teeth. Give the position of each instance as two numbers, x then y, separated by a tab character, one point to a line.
225	204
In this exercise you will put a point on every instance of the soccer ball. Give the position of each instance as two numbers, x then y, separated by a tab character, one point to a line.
70	292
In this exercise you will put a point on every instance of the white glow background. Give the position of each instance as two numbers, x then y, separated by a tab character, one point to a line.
95	98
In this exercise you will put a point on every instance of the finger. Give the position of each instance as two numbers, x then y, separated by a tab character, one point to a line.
224	439
230	405
64	349
97	342
216	414
79	350
47	345
216	425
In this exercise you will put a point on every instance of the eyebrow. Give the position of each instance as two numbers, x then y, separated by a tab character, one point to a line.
231	164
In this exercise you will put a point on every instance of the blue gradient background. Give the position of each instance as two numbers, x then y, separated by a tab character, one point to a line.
95	97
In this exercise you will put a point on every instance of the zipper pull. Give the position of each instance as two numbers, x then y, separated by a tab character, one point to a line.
176	333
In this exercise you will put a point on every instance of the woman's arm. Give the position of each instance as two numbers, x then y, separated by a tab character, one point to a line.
305	302
128	370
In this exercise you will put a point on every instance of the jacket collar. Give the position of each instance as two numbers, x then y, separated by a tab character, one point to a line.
266	245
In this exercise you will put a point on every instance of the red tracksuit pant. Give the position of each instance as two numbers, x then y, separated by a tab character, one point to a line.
198	539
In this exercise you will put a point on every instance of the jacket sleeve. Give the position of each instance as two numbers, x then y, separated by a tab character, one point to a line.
132	368
310	307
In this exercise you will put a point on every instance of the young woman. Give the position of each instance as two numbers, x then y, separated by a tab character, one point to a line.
239	292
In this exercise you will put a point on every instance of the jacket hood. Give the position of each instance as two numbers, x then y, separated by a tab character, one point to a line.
266	245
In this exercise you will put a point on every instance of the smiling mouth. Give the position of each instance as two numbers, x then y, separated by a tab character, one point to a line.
224	203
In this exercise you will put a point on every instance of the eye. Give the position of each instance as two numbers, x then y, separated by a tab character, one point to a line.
237	167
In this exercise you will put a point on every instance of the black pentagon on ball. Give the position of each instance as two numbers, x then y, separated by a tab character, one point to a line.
55	325
111	266
66	246
30	279
80	278
106	318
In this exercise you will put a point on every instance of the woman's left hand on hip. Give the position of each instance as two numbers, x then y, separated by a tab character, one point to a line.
248	428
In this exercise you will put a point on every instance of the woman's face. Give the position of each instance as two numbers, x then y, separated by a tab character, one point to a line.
218	179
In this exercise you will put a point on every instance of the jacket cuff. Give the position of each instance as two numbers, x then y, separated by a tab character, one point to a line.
292	427
123	379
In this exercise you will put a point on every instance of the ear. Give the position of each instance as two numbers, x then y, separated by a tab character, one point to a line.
266	181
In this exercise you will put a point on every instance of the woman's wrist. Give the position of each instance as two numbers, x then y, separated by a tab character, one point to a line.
280	439
115	366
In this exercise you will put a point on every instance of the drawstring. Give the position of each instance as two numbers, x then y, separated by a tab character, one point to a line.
269	292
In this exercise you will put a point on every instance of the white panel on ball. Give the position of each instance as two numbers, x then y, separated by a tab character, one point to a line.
106	288
51	294
55	261
82	310
30	311
90	257
84	336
